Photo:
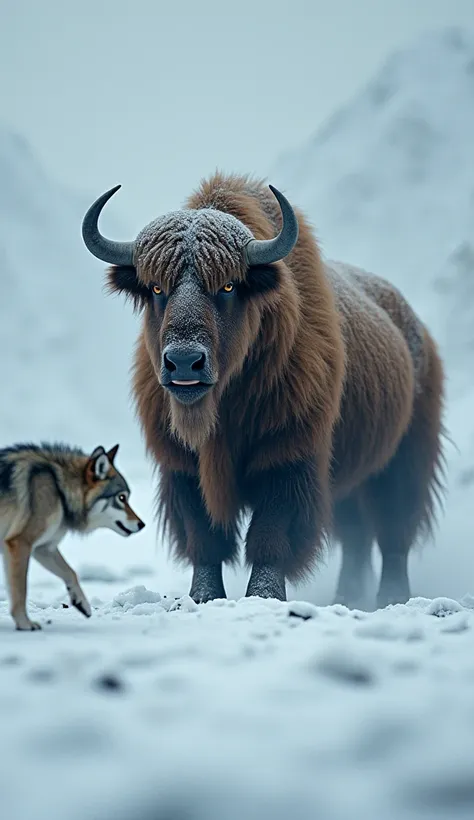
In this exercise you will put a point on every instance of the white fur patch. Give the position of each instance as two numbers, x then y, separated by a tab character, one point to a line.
104	514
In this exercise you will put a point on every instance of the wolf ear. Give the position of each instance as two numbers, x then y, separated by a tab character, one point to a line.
101	467
112	453
97	452
98	465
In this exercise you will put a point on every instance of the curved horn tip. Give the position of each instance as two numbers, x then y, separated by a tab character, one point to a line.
267	251
113	253
282	200
114	189
103	198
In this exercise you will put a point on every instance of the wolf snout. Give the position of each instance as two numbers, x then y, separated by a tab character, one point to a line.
130	527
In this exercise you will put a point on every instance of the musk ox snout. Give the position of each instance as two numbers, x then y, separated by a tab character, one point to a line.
186	372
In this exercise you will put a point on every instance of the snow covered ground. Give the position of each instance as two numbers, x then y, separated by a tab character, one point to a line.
155	709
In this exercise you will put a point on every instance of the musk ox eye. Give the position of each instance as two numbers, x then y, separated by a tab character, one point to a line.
157	290
229	287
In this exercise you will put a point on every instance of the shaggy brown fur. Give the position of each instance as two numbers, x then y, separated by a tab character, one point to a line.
325	417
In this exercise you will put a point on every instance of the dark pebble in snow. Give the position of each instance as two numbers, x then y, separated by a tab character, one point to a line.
302	610
109	683
299	615
65	606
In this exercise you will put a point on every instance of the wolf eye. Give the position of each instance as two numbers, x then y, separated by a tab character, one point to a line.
228	288
157	290
122	498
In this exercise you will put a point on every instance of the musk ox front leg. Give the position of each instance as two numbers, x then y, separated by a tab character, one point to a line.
284	536
195	539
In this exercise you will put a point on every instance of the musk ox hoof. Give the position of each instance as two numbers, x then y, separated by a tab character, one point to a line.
392	596
266	582
207	584
363	603
357	596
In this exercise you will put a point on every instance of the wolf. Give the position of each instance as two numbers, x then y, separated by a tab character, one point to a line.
46	491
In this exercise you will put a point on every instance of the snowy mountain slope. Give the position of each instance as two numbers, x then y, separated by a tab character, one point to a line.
388	184
390	179
65	346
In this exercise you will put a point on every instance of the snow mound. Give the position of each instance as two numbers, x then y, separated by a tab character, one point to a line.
135	596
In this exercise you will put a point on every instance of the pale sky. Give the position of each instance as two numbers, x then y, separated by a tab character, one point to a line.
155	95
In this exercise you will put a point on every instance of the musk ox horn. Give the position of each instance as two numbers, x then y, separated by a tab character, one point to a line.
114	253
265	251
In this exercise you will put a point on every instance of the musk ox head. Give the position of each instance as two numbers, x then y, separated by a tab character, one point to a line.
204	282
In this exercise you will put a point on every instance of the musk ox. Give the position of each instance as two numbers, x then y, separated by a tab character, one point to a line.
307	393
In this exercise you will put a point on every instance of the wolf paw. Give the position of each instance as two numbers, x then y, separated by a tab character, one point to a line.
83	606
79	600
25	625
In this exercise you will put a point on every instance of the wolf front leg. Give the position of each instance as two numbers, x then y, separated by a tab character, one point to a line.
284	537
16	556
195	539
51	559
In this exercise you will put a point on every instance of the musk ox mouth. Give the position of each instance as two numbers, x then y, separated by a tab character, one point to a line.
188	392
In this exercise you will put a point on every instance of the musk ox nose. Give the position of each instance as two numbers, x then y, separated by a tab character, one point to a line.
184	365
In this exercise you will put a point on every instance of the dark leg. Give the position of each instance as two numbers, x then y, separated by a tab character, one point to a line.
284	536
402	501
195	539
207	583
394	584
356	585
267	582
396	527
404	496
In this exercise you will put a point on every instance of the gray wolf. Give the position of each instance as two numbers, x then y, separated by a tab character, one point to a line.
46	491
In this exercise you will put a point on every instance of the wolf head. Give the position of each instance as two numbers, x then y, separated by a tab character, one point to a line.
107	495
